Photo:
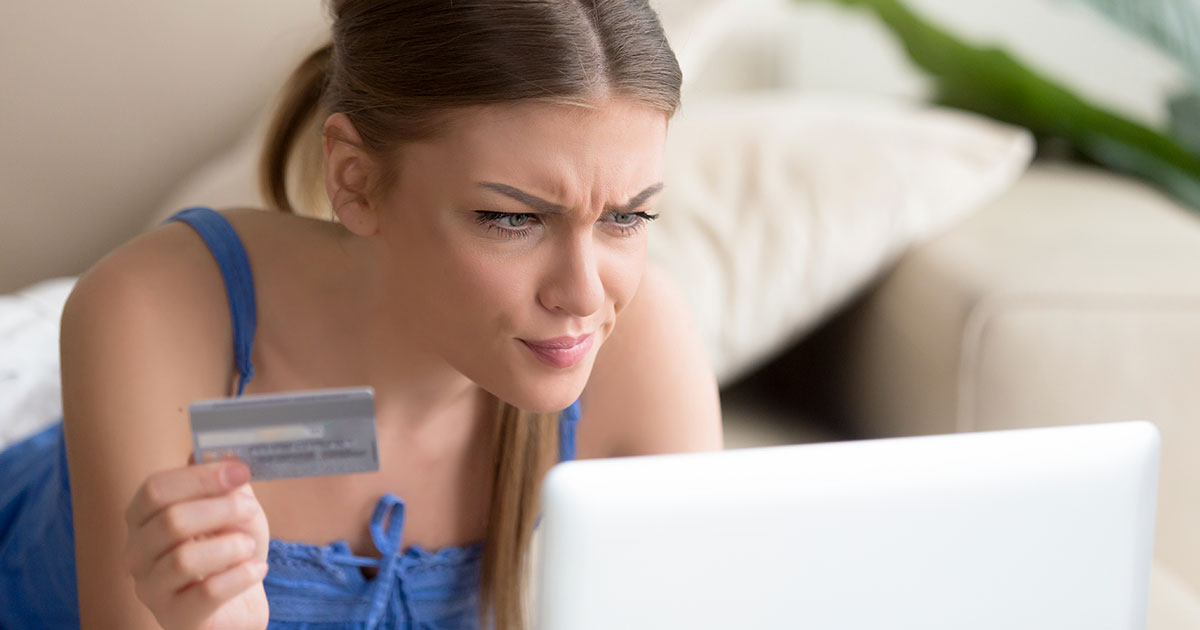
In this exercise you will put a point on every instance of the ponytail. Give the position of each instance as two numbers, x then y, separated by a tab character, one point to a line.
526	446
298	105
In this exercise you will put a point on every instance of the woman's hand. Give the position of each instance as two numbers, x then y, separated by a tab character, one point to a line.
197	548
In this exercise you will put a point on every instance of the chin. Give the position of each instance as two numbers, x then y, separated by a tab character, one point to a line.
539	391
522	381
545	399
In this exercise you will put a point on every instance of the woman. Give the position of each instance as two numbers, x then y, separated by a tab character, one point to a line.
492	166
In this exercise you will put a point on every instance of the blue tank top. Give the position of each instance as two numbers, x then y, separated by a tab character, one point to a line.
309	587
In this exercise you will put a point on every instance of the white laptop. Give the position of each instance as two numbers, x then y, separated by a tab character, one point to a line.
1037	529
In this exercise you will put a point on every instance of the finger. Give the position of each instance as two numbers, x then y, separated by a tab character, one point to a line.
179	484
196	560
202	598
180	522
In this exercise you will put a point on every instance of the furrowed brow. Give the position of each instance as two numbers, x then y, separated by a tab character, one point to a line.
547	207
637	200
537	203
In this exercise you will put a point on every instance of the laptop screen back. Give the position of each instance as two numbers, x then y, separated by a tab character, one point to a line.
1036	529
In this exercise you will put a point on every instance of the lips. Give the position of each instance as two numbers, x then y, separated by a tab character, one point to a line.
560	352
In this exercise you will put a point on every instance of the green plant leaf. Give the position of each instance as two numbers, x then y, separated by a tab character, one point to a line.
991	82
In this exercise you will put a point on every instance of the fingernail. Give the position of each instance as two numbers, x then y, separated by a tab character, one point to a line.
235	475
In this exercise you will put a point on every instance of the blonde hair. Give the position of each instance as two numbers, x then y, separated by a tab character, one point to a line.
395	69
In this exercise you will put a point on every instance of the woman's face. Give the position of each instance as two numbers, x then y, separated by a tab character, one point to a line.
515	239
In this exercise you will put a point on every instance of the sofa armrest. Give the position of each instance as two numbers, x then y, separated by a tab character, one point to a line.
1072	299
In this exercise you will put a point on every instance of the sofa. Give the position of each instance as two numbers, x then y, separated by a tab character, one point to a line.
1063	296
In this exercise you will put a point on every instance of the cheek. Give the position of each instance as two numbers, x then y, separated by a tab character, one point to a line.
448	277
483	290
623	274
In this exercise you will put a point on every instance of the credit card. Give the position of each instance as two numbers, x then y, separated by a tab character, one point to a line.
293	434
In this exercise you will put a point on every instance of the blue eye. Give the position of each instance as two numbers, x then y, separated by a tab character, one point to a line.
630	222
519	224
513	220
508	224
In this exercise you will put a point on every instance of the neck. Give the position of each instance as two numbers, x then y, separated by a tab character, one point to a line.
418	393
420	400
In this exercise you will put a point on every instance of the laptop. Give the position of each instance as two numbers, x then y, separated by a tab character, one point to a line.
1036	529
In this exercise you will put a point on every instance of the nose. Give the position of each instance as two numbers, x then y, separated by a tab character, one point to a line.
572	285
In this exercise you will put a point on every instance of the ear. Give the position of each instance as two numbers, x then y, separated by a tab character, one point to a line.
349	174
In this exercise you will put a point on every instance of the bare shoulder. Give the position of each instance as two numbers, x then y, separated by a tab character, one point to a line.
651	389
162	296
167	282
163	279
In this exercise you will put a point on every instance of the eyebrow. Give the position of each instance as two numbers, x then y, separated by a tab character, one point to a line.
547	207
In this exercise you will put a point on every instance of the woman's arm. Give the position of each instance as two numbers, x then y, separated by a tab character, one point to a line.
651	389
136	349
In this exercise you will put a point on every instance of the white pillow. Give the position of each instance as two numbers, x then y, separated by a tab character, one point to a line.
30	388
779	208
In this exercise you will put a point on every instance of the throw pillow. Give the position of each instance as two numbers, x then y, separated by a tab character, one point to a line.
779	208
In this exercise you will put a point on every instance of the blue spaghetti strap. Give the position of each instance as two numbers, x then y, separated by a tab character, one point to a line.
231	257
567	420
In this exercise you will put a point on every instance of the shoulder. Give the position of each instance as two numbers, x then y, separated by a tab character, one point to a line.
162	288
166	277
169	267
651	389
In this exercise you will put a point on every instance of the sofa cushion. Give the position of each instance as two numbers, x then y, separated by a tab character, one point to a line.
779	208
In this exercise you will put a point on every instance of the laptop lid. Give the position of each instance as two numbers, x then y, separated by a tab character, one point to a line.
1038	529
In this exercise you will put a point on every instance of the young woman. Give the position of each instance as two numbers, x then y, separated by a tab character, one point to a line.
493	167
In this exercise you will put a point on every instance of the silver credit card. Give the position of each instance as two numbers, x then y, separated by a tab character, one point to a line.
294	434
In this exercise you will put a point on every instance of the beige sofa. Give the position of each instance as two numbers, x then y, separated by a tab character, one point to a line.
1071	299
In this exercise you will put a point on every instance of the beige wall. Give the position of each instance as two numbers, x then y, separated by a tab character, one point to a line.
104	105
